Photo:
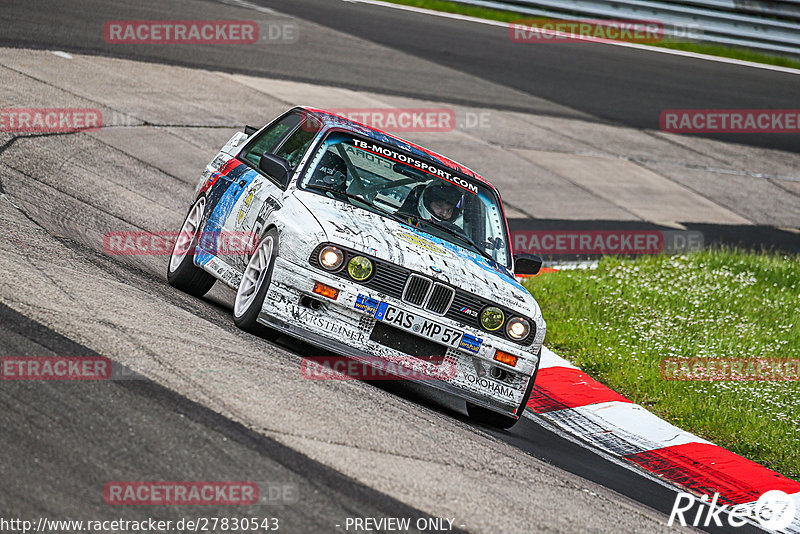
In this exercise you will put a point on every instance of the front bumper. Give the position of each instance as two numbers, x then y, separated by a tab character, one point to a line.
342	327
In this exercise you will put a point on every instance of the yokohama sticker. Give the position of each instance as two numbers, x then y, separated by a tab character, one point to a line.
485	383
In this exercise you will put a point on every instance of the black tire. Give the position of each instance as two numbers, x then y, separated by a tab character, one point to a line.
487	417
247	321
187	276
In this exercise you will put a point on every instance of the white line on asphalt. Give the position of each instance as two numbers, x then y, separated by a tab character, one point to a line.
488	22
249	5
5	197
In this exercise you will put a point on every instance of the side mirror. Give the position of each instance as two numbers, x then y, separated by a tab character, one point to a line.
249	130
276	167
528	264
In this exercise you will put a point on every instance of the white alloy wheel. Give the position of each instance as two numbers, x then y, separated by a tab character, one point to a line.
254	275
183	243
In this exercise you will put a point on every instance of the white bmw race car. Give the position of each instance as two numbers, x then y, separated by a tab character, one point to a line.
372	248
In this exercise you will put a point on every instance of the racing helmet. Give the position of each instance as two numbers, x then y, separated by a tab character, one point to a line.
330	172
439	191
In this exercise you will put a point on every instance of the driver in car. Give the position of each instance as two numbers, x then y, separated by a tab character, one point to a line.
438	202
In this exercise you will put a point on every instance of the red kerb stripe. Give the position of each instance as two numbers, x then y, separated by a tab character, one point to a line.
557	388
708	469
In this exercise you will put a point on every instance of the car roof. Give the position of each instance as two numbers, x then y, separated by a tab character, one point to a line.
330	119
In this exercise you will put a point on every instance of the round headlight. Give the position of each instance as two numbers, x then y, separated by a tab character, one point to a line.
518	328
331	258
359	268
492	318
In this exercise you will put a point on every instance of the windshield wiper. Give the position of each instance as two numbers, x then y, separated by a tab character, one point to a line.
460	236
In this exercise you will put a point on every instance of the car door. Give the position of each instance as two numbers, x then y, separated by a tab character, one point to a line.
259	195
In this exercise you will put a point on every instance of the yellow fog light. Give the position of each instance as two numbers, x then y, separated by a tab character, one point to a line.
492	318
359	268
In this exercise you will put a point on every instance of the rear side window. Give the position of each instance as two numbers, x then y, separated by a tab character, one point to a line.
288	138
269	139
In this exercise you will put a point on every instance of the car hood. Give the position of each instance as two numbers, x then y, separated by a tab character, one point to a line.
387	239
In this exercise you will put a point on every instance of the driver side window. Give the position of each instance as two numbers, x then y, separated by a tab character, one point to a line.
296	144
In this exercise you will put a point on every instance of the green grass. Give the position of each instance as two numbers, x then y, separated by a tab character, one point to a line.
700	48
618	321
463	9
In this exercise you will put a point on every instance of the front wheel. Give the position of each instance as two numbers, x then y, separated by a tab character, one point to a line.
254	285
182	273
487	417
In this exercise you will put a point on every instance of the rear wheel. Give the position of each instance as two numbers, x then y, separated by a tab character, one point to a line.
487	417
182	273
254	286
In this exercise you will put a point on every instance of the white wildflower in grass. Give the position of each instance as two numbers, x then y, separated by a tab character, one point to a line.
620	320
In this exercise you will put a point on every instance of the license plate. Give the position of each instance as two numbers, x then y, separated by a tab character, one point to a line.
418	325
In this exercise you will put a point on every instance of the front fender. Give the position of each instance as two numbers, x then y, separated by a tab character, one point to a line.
300	232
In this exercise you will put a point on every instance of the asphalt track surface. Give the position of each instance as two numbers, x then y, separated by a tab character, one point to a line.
68	439
62	441
415	55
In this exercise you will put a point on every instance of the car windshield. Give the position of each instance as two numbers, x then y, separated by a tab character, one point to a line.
433	198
